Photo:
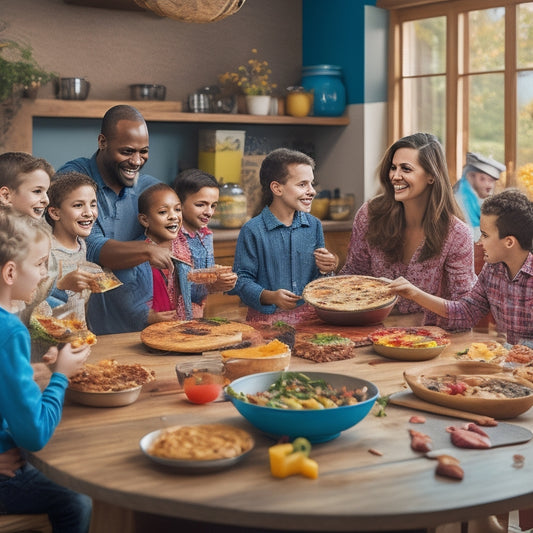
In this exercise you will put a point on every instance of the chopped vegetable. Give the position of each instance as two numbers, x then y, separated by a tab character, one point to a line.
293	390
382	402
329	338
292	458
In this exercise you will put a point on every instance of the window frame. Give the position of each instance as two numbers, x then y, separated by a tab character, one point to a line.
455	12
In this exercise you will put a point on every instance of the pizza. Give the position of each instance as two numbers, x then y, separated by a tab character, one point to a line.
203	442
110	376
198	335
409	338
104	281
348	293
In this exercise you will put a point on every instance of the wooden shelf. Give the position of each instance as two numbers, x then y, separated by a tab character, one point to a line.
167	112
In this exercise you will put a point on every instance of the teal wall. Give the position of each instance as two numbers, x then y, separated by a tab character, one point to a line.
344	32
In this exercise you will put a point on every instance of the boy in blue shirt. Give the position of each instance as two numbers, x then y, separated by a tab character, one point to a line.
28	417
282	249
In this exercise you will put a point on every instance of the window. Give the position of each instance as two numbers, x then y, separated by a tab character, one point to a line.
463	70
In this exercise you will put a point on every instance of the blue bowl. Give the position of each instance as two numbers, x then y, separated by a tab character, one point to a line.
316	425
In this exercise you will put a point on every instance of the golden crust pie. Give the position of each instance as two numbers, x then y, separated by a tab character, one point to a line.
195	336
348	293
109	376
203	442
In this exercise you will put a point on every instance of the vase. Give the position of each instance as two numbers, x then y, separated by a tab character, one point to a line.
258	104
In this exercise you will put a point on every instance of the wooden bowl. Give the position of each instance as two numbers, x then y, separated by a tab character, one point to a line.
499	408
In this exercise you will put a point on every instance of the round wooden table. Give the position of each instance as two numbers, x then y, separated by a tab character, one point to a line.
96	451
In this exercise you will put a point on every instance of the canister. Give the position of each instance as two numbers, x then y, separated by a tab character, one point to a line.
299	102
231	212
326	83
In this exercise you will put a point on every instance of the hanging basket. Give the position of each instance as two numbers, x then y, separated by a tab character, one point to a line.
197	11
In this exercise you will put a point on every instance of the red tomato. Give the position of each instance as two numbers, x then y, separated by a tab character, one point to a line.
199	391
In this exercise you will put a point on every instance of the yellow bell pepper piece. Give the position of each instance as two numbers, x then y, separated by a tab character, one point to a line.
285	462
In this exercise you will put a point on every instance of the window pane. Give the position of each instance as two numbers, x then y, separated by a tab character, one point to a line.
424	106
525	118
524	36
486	115
424	46
487	39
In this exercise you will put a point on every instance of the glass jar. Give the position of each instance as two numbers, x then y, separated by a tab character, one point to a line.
325	81
299	102
231	208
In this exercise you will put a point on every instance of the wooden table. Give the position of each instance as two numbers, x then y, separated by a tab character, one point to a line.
96	451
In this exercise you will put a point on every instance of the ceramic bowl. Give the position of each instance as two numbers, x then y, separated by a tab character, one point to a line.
499	408
366	317
104	399
316	425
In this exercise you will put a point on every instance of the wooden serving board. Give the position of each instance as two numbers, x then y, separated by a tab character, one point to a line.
503	434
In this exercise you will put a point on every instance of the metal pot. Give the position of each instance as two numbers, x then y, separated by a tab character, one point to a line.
72	88
148	91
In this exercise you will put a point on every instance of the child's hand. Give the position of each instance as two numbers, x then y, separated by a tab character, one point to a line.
10	461
404	288
71	360
325	260
75	281
50	357
161	316
281	298
225	282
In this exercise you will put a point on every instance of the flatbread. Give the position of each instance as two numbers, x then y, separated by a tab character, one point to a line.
348	293
195	336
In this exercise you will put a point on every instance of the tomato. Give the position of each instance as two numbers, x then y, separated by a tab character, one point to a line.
201	388
456	388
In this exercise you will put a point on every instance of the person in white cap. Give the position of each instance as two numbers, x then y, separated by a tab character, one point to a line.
477	183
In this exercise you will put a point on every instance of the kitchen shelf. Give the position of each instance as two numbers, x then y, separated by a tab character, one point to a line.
167	112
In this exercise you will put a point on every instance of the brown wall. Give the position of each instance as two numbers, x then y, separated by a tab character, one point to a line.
114	48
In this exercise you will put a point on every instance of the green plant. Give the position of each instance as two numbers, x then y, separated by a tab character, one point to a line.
19	69
252	78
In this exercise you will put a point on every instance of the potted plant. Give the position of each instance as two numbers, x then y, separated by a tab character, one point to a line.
20	75
253	79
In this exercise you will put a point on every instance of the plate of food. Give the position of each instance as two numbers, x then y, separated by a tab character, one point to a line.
199	448
108	383
350	300
409	344
476	387
207	275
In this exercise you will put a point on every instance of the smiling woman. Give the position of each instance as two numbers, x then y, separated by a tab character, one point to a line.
414	228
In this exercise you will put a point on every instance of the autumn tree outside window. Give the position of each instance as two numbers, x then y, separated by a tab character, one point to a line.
463	70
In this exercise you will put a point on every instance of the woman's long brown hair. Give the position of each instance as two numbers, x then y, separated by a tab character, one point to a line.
386	225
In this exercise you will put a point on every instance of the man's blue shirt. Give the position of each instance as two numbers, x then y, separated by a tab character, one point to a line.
125	308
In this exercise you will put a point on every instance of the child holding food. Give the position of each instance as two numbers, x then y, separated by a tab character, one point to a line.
282	249
28	416
505	284
199	192
71	213
161	216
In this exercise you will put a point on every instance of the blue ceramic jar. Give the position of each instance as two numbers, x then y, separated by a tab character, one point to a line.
329	92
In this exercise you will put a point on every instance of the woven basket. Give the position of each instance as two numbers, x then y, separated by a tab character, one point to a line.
198	11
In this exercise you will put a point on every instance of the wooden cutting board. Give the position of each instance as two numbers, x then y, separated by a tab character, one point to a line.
407	399
503	434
